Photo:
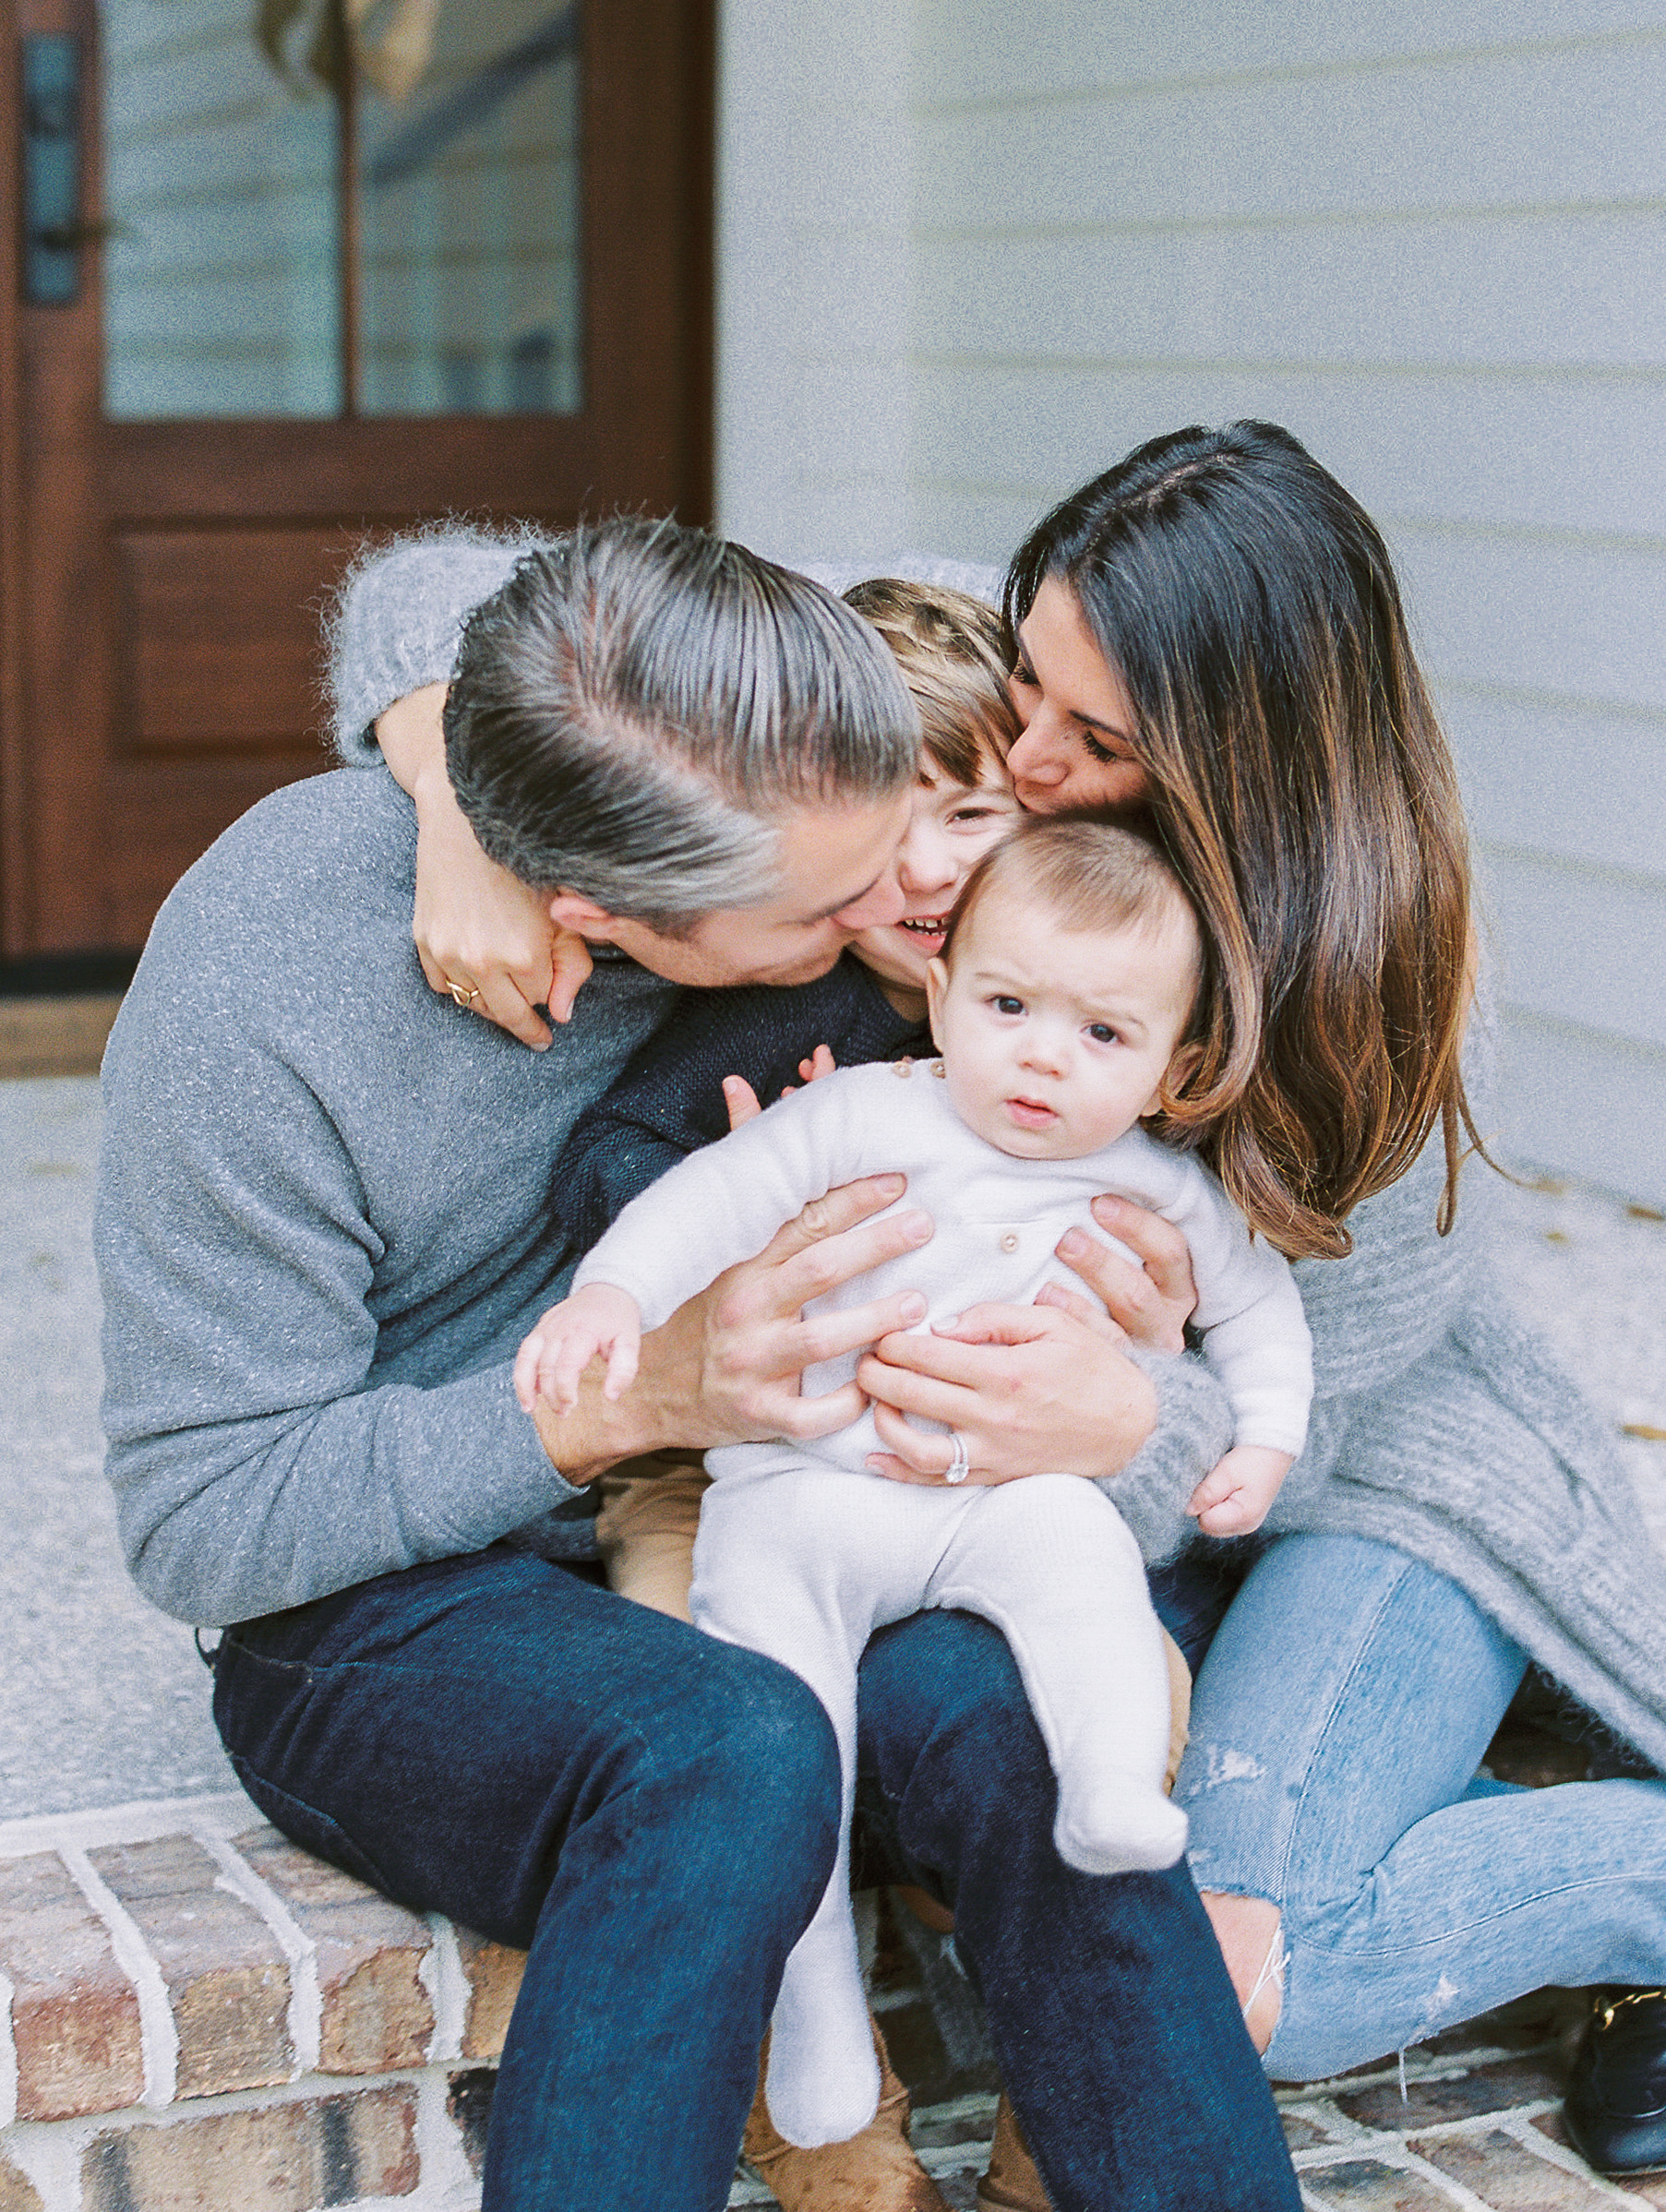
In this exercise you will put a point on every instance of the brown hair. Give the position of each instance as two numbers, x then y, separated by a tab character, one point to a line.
1301	781
953	652
1090	874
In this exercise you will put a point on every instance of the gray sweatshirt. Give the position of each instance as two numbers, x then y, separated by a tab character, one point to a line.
321	1225
322	1231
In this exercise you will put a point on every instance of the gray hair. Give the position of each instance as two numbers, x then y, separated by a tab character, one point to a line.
634	710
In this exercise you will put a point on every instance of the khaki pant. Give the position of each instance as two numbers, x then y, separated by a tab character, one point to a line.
645	1533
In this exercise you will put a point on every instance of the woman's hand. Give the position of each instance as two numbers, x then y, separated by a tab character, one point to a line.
1028	1390
1152	1302
725	1367
478	929
1041	1388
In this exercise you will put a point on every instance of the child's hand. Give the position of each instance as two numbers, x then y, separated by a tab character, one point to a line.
1237	1495
566	1339
820	1063
742	1100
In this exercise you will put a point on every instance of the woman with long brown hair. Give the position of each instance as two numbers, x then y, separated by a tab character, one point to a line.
1212	630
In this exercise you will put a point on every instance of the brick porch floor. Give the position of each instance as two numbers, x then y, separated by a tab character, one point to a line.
200	2018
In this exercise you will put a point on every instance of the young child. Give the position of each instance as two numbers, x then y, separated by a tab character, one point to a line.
1064	1005
746	1043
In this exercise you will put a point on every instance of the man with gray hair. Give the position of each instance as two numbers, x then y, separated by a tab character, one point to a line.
322	1229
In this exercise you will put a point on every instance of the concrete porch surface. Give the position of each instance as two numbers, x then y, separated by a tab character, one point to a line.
119	1816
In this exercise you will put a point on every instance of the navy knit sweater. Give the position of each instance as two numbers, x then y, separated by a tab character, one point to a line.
668	1099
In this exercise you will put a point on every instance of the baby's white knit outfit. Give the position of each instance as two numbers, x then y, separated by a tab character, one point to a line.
794	1561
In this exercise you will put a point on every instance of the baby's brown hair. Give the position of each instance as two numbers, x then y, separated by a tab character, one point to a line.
953	652
1092	873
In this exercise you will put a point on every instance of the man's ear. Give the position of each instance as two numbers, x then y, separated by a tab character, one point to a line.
936	983
569	910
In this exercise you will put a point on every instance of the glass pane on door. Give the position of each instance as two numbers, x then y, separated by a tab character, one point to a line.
220	290
469	217
294	241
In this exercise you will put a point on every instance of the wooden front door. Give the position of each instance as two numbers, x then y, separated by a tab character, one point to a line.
270	290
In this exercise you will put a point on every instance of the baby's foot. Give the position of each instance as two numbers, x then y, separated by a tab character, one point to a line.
822	2081
1121	1825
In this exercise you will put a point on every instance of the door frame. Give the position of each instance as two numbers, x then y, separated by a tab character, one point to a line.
650	329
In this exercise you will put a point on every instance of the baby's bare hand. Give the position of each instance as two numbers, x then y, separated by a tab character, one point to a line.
596	1319
1237	1494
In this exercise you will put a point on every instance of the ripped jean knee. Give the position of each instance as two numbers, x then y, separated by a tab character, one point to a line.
1338	1724
1348	1692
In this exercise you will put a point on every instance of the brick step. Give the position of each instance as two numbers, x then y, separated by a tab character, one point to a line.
197	2016
208	2017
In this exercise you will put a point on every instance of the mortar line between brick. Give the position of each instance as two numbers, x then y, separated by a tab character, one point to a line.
445	2162
1445	2182
139	1822
1315	2160
49	2153
440	1973
1476	2123
1324	2112
8	2056
1520	2128
159	2038
306	1996
1372	2141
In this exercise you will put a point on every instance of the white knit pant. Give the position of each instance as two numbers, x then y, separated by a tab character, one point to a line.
804	1561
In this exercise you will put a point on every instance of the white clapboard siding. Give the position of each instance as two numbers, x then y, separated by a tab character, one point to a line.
975	51
1431	240
1523	449
814	255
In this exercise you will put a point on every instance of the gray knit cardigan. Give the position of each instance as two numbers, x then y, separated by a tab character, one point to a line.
1441	1424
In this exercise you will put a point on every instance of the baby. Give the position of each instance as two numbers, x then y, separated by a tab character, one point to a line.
1063	1006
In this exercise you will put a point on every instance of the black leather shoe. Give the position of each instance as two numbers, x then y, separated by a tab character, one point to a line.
1616	2094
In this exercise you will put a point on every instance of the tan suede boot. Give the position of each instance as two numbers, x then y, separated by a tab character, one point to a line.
875	2172
1012	2184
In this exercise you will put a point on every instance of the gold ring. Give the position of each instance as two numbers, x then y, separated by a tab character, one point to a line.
462	995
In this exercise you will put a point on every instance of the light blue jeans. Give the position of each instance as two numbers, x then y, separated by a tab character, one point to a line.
1345	1702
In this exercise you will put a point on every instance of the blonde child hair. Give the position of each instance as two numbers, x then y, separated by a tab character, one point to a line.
953	652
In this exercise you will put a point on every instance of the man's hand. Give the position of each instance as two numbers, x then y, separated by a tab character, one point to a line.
725	1367
1029	1390
1041	1389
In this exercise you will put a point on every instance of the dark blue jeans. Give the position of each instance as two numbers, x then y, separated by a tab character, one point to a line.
650	1813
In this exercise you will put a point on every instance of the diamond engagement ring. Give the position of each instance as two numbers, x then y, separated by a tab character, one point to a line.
960	1465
